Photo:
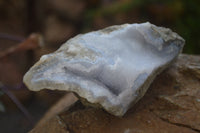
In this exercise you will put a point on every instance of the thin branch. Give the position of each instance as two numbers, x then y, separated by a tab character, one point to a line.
11	37
20	86
17	102
32	42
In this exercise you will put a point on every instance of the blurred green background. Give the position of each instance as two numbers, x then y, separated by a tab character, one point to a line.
58	20
182	16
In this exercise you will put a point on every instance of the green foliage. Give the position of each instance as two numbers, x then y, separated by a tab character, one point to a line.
2	108
183	17
189	26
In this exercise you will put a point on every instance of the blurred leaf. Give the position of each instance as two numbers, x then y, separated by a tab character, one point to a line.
2	108
1	93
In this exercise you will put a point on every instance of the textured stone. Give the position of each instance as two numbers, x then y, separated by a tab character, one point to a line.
171	105
111	68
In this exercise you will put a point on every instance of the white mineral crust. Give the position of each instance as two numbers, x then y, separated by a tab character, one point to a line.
112	67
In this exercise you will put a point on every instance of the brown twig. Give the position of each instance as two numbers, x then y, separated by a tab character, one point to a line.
32	42
63	104
11	37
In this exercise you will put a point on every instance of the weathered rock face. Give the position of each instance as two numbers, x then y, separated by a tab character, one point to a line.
112	67
171	105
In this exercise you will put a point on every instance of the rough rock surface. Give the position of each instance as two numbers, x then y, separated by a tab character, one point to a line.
111	68
171	105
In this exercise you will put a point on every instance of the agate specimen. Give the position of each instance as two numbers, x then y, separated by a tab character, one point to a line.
111	68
